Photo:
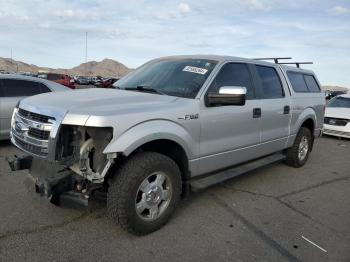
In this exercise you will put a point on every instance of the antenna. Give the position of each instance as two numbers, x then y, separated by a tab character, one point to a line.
297	63
275	59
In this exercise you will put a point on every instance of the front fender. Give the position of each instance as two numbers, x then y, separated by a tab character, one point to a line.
145	132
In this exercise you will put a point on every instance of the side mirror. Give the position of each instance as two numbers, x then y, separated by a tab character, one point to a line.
227	95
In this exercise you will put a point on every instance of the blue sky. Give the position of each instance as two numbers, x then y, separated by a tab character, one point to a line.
52	33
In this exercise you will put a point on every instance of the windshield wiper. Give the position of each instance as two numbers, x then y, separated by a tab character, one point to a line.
145	88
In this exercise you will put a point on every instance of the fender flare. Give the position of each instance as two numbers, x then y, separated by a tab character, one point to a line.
308	113
143	133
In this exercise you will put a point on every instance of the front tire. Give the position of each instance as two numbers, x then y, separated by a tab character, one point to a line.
144	193
297	155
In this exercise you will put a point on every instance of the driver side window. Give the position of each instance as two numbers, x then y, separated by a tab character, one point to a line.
233	74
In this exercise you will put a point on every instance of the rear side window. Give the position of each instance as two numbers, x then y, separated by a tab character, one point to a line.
17	88
311	83
270	82
298	82
43	88
302	83
233	74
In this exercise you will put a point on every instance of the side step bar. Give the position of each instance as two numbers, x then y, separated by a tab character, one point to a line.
202	183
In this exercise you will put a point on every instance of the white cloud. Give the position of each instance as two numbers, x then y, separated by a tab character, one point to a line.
184	8
258	5
339	10
78	14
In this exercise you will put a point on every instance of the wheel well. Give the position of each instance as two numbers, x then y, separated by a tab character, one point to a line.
309	123
172	150
163	146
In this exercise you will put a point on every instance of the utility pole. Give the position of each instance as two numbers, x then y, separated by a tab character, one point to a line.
86	35
14	65
11	59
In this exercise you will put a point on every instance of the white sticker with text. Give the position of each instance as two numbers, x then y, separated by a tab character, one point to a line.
196	70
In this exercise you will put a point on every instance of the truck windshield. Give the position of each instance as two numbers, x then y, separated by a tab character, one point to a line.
340	102
174	77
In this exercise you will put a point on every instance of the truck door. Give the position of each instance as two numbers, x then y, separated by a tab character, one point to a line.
275	108
230	134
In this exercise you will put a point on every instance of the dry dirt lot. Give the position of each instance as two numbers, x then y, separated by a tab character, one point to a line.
268	215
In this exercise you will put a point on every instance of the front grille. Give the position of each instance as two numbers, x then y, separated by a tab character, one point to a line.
34	116
335	121
31	132
30	148
39	134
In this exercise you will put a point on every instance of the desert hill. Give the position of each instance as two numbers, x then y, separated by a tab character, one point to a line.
106	67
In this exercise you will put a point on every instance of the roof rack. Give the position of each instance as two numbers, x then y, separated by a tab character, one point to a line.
297	63
273	58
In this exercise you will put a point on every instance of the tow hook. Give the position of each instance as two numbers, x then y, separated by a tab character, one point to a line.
20	163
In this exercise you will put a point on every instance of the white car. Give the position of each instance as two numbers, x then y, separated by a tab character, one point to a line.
15	87
337	117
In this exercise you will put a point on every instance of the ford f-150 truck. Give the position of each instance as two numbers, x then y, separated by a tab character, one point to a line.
173	125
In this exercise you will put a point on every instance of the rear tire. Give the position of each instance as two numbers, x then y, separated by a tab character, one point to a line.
297	155
144	193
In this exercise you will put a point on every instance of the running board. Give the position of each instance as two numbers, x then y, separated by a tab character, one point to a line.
202	183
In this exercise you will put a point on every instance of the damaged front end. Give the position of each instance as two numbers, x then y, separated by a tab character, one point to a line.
67	165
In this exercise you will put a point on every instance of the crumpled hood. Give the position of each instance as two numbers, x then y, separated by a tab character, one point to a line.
338	112
97	101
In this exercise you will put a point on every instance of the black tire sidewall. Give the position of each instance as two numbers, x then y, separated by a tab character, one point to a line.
134	218
140	172
304	132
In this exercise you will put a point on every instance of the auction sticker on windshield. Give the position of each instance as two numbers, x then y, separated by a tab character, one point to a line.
196	70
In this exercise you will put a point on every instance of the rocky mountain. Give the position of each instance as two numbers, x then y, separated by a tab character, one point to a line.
335	88
106	67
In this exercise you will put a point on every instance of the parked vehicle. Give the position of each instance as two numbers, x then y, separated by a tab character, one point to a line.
174	124
331	94
106	82
62	79
98	80
91	80
15	87
337	117
82	80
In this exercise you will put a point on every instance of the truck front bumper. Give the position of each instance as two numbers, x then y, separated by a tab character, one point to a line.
53	181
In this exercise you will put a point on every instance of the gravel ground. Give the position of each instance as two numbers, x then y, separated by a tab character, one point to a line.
270	214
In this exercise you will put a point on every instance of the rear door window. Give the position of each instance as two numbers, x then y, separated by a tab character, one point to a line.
17	88
270	82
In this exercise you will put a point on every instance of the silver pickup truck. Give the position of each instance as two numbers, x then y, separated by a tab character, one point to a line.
173	125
